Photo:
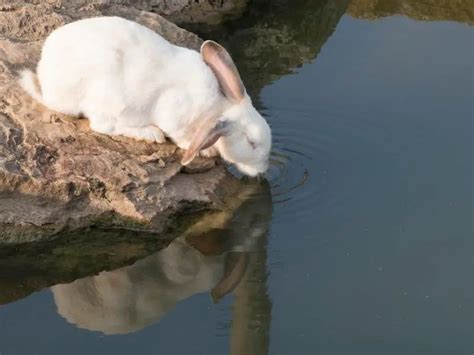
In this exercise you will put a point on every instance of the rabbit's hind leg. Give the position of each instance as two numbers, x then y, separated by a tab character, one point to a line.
101	124
149	133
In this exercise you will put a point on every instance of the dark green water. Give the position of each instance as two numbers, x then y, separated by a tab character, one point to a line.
363	244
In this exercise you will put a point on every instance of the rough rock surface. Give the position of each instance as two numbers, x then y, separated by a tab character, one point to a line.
55	173
176	11
192	11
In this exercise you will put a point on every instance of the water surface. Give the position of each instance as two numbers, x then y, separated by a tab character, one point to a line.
362	241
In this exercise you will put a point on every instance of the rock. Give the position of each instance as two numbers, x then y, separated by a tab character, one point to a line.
57	175
241	224
206	11
191	11
176	11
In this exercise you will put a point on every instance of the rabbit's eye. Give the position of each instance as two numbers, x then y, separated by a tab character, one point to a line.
252	144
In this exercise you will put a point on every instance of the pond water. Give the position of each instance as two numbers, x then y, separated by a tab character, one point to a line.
362	241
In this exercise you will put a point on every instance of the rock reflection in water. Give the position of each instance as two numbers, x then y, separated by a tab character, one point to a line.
274	37
426	10
221	252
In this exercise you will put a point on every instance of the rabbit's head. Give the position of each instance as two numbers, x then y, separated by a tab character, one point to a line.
241	134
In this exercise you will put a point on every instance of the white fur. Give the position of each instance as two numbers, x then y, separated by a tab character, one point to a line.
127	80
29	84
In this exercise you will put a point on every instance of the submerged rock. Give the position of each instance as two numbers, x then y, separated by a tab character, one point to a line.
56	174
426	10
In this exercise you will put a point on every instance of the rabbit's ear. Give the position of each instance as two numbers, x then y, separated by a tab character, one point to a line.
204	137
224	69
236	264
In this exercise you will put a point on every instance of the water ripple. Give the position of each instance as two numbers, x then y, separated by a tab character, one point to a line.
298	160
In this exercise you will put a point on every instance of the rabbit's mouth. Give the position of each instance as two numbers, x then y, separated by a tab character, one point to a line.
255	171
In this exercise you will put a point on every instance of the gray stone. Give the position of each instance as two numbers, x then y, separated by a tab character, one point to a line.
55	174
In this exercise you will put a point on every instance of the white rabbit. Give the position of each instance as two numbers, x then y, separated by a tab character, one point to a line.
127	80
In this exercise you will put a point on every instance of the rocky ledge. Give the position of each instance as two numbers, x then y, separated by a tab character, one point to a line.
57	175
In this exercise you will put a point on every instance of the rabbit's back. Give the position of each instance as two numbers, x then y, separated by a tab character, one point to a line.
108	60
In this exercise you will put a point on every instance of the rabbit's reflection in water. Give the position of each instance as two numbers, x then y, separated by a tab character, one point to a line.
212	255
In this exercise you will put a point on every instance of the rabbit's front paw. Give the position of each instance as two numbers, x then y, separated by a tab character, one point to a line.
158	135
209	152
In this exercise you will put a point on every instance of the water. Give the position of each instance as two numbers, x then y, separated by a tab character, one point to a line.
362	241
